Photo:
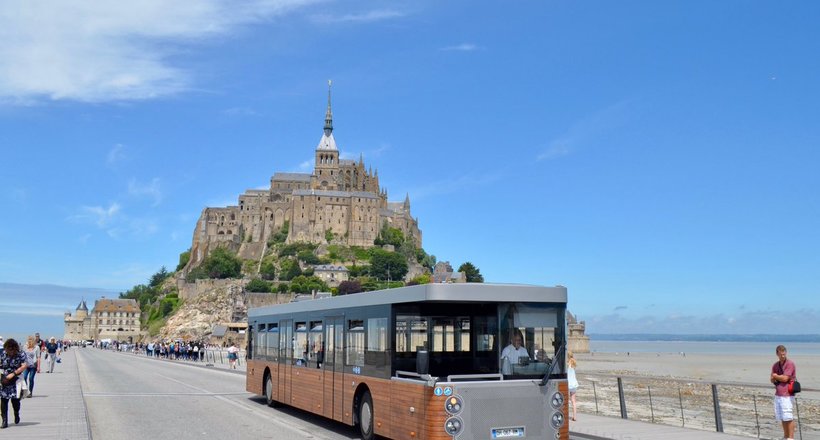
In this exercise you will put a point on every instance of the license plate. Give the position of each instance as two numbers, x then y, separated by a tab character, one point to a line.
508	432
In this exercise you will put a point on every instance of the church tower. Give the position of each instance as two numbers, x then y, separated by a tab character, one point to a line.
326	170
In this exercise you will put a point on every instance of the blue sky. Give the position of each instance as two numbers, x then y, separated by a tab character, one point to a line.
657	158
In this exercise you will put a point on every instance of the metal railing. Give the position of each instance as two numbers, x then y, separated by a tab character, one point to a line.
735	408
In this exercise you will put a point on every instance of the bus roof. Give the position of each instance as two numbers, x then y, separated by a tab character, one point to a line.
463	292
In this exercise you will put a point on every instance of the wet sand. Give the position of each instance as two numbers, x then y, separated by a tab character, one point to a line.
746	369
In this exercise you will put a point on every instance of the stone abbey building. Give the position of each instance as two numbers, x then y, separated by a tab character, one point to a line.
340	202
115	319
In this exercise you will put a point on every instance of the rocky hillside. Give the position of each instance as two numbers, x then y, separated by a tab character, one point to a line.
196	318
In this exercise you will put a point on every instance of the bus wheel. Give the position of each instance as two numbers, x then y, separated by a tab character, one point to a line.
366	417
269	391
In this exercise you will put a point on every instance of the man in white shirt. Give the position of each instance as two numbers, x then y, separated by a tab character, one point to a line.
513	352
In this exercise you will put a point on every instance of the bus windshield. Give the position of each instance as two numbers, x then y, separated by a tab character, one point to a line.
517	340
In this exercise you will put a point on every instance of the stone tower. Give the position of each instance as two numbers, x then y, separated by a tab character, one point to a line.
327	154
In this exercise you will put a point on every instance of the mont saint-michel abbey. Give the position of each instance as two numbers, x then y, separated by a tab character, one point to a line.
341	201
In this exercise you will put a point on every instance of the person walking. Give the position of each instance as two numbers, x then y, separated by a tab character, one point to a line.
233	355
12	364
52	351
784	372
572	384
32	362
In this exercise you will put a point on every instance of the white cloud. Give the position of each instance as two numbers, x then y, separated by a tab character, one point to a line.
586	130
150	190
116	155
99	215
96	50
463	47
365	17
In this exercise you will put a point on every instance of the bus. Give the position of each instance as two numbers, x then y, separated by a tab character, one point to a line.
424	362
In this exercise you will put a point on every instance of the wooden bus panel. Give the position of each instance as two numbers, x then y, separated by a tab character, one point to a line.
253	378
306	389
436	416
407	409
563	387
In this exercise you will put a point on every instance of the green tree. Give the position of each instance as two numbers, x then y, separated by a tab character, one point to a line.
221	263
159	277
183	259
283	288
386	265
268	270
389	235
421	279
308	257
303	284
258	285
289	269
472	273
281	235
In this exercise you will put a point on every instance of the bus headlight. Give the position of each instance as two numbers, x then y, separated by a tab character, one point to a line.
557	400
453	405
453	426
557	420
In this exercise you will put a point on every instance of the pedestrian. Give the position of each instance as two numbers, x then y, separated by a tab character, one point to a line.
32	362
52	352
784	372
12	364
233	355
572	383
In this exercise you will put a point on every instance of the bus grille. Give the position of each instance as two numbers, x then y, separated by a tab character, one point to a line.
503	406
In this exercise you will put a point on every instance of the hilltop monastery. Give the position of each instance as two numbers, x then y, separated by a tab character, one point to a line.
340	202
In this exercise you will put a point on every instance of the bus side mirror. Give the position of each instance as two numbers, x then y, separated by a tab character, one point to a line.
422	361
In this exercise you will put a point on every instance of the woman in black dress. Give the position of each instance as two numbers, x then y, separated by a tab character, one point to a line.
12	364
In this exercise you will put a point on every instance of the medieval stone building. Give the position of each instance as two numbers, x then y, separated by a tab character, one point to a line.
340	202
115	319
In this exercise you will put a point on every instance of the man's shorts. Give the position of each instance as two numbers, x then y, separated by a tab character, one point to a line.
783	408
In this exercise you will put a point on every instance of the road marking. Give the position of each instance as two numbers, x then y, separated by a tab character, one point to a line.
164	394
303	430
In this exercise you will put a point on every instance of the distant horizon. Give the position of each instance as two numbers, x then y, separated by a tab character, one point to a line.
706	337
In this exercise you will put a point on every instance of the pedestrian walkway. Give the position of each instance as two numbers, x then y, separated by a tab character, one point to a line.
57	410
594	427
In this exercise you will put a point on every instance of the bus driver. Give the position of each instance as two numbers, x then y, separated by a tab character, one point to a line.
513	353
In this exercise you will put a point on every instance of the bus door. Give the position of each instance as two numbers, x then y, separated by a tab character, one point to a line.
333	368
285	360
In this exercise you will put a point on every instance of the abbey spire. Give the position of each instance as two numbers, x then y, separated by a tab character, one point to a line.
328	142
329	114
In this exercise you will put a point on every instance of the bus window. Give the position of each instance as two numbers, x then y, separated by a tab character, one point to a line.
486	329
531	335
462	334
376	353
273	342
355	342
316	347
259	344
300	344
411	333
285	340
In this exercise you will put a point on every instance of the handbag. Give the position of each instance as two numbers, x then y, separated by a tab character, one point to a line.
794	387
5	381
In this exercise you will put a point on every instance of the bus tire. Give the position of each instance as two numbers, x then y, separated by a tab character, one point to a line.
269	391
366	416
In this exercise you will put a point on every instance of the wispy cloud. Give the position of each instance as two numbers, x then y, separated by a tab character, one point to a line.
83	239
116	155
19	195
363	17
150	190
99	215
463	47
585	131
97	51
455	185
240	111
366	154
